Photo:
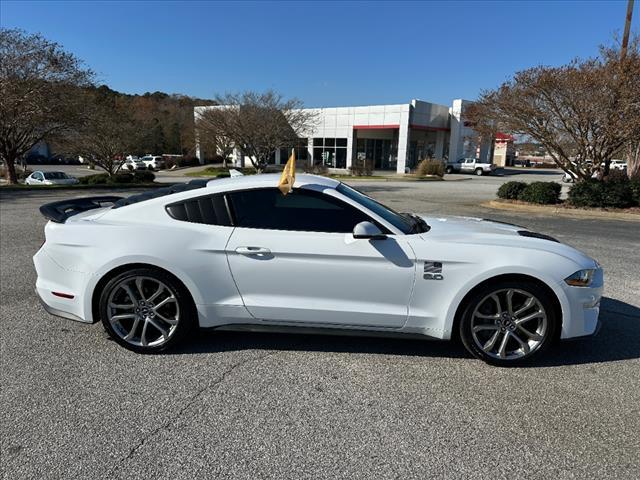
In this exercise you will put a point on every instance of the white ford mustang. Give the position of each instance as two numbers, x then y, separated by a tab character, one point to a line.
236	254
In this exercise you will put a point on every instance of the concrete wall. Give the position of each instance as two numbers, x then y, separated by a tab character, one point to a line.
464	139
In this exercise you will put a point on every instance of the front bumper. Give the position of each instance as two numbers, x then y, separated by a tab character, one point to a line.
582	315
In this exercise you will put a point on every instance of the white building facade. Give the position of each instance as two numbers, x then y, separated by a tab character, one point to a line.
390	137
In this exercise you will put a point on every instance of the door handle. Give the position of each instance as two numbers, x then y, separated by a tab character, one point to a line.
253	251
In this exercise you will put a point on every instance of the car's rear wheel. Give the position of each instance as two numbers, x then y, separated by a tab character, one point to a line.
146	310
479	172
508	323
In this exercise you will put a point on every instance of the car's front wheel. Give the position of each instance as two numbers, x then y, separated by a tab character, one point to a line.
146	310
508	323
449	170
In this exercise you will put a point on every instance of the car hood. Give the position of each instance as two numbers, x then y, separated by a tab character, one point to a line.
479	232
469	225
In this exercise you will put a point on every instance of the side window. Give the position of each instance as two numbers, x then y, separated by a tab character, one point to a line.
301	210
38	176
210	210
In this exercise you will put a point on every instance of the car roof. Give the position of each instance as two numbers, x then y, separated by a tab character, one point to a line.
198	187
267	180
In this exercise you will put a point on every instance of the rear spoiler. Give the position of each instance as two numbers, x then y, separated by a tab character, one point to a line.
59	211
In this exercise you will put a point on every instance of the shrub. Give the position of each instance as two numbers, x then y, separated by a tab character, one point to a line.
511	190
121	178
316	169
362	168
95	179
544	193
615	192
187	162
587	193
430	167
634	185
143	176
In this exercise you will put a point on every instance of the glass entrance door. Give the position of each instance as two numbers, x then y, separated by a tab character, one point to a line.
383	152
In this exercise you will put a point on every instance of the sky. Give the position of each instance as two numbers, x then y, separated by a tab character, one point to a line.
324	53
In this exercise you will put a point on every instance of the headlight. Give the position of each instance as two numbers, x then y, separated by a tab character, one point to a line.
582	278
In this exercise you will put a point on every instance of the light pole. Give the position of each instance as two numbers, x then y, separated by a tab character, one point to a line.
627	28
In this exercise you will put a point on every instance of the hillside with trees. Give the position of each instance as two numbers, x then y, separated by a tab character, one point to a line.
164	122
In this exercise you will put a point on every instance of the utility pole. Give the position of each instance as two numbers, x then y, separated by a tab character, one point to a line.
627	28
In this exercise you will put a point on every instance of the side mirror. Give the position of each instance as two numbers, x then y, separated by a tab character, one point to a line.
367	230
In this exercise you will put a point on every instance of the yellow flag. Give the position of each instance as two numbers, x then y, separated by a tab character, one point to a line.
288	174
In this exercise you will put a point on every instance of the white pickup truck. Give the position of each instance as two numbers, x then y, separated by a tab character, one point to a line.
470	165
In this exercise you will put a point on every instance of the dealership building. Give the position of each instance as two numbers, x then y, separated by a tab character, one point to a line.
392	137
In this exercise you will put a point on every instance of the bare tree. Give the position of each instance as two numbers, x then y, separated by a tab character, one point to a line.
108	134
258	124
224	147
582	113
39	85
633	159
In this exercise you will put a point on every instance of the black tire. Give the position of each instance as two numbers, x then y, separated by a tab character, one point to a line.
546	301
479	172
183	305
449	170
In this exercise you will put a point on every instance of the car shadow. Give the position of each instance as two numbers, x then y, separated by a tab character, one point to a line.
618	339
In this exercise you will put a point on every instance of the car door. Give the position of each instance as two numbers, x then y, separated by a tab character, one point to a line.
37	178
294	260
468	165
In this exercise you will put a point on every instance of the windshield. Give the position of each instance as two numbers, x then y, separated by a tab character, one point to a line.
404	223
55	175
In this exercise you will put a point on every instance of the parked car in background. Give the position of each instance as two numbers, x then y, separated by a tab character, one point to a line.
570	177
50	178
471	165
618	165
133	163
153	162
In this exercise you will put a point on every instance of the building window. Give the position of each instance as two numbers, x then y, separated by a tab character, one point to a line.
330	152
301	152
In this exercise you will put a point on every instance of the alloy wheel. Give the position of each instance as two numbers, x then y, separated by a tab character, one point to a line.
509	324
143	311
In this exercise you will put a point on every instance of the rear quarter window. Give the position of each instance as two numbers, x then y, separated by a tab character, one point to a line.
208	210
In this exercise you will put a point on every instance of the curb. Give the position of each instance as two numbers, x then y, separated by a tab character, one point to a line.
563	212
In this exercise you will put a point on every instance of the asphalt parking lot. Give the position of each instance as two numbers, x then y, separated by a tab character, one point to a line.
75	405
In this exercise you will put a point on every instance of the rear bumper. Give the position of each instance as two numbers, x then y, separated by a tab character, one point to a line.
58	313
53	277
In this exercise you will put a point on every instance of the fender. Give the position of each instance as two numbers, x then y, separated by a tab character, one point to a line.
128	260
495	272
